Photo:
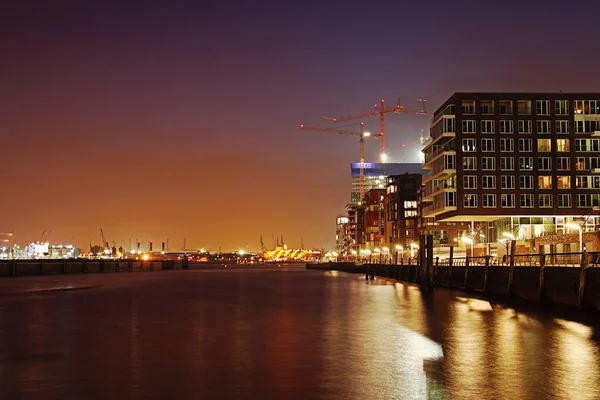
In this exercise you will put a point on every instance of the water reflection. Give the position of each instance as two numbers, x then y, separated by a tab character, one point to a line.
280	334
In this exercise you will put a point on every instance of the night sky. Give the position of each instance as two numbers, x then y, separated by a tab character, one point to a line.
180	119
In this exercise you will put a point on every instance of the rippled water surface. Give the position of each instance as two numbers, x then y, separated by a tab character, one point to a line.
280	333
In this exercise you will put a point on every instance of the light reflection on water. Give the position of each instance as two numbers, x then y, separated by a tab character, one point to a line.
280	334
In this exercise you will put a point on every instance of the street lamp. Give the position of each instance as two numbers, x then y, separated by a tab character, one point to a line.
468	240
386	250
580	228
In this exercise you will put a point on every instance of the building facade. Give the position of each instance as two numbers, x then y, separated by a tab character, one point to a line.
527	163
375	175
401	209
374	233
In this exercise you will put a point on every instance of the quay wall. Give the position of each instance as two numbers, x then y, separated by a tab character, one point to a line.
80	266
571	286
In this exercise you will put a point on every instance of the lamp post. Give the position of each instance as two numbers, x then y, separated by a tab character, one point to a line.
398	247
580	228
386	250
468	240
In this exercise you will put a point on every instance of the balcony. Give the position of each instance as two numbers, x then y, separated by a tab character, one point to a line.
595	170
433	190
595	133
438	173
436	209
449	149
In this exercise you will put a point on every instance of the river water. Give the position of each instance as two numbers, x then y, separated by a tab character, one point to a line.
279	333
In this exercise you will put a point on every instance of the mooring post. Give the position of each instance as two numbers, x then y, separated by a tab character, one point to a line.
582	276
542	267
511	268
450	259
486	272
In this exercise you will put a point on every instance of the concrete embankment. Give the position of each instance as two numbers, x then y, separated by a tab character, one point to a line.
81	266
571	286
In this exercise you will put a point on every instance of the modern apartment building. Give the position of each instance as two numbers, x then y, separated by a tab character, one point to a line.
374	218
401	210
525	161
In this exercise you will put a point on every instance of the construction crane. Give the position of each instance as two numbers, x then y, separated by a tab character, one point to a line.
381	110
361	134
422	140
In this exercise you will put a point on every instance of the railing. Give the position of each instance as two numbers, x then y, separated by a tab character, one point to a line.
567	260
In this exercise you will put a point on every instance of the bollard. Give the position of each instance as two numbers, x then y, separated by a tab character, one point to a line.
485	273
542	268
582	276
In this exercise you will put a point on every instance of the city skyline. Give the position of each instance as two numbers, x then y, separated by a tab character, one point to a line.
182	122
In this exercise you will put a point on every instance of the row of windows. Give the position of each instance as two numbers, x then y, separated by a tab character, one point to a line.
523	126
527	163
527	200
526	145
524	107
526	182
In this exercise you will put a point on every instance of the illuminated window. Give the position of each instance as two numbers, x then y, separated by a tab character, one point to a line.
545	200
563	182
410	204
525	163
468	145
470	163
410	213
564	201
545	182
563	145
581	164
470	200
544	145
582	182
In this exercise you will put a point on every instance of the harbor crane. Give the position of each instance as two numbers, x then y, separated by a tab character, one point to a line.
361	134
104	241
381	109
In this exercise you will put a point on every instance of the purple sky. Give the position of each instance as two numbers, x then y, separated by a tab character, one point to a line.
180	119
